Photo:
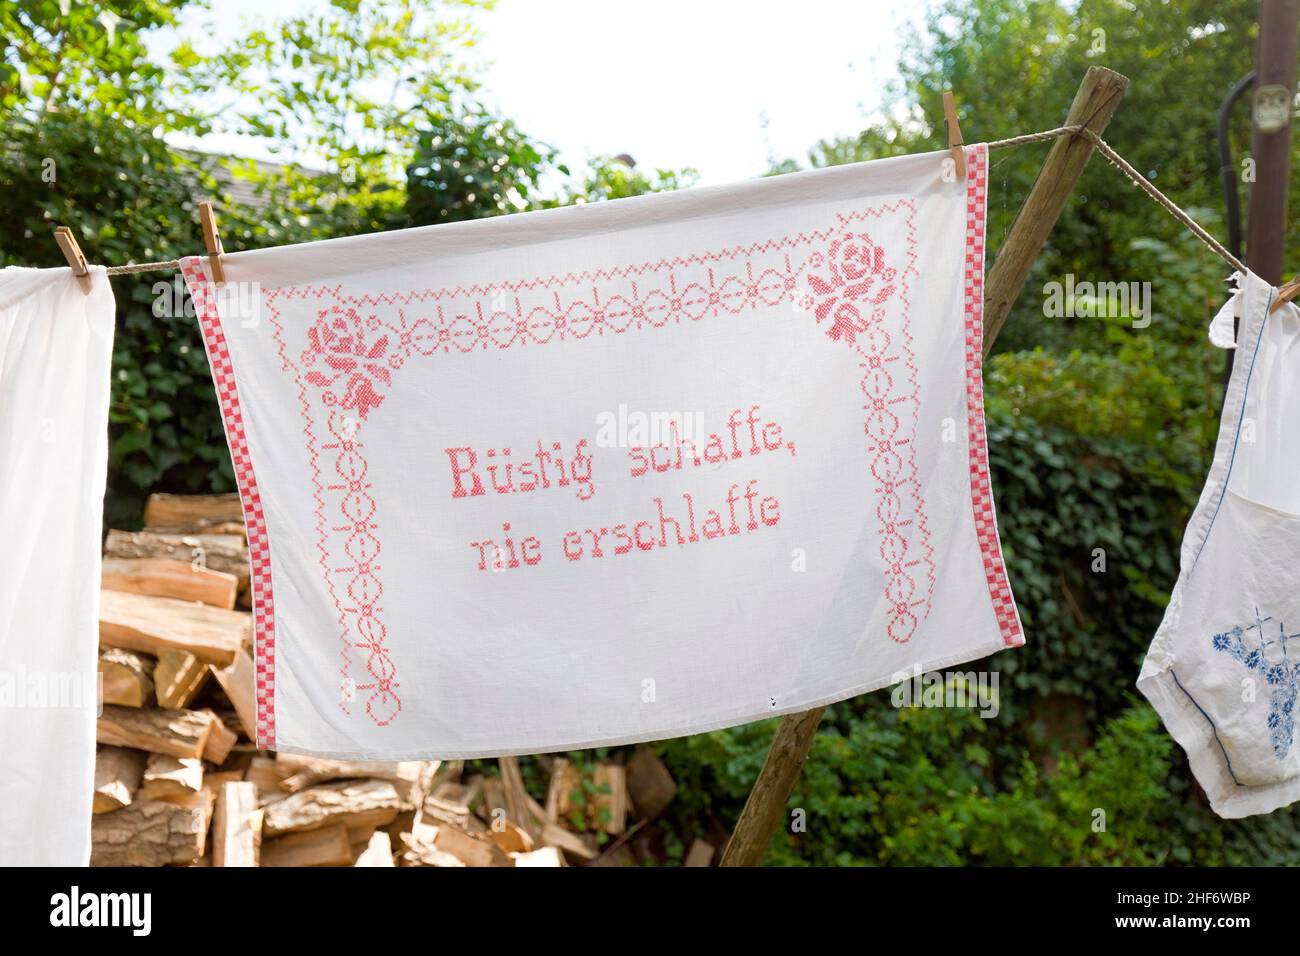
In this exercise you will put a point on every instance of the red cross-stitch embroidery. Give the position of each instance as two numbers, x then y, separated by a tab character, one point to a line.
350	353
986	525
345	362
259	555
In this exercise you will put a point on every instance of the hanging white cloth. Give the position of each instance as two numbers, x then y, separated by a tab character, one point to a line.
1224	666
617	472
56	343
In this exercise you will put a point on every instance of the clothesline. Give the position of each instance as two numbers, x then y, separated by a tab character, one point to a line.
1116	160
1120	163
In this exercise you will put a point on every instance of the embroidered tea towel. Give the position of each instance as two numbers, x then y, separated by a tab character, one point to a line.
56	343
613	472
1224	666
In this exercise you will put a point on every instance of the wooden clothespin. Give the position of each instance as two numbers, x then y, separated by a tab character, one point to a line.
208	219
954	134
72	252
1285	294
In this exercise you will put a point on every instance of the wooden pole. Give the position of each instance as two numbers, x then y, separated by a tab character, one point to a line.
765	808
1099	94
1275	74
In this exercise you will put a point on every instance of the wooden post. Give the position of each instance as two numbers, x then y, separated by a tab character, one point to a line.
765	808
1099	94
1266	224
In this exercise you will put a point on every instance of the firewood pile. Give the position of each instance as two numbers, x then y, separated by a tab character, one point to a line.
180	782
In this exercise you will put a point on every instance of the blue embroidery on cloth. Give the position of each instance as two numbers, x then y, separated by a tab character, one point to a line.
1282	675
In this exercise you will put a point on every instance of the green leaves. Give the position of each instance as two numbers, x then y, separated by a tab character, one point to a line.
469	164
86	56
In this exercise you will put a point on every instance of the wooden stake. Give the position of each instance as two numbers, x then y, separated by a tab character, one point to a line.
1099	95
72	252
765	809
212	240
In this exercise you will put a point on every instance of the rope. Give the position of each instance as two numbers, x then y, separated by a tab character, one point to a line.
143	267
1116	160
1120	163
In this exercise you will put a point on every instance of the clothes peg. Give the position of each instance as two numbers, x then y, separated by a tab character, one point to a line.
954	135
72	252
1285	294
208	219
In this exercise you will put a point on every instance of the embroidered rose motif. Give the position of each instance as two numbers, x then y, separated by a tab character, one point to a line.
853	277
338	339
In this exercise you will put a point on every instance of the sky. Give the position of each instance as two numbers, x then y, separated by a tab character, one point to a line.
721	85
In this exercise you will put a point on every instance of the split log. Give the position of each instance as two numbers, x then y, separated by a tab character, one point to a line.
454	803
187	511
565	779
649	784
521	809
230	718
470	850
611	798
324	846
237	681
220	552
167	577
351	803
467	793
422	852
221	740
378	852
267	774
152	833
700	853
236	826
154	624
168	777
359	839
219	778
128	677
178	678
572	844
442	811
305	772
510	838
234	529
118	771
179	733
493	808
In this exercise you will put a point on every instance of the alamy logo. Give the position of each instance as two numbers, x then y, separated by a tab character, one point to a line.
1098	300
74	908
968	689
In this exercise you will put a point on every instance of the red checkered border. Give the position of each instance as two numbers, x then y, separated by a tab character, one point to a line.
259	554
986	523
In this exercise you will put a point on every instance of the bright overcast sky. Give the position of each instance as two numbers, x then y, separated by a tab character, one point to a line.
721	86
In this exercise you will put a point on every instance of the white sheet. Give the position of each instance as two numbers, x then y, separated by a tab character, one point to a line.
825	326
55	348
